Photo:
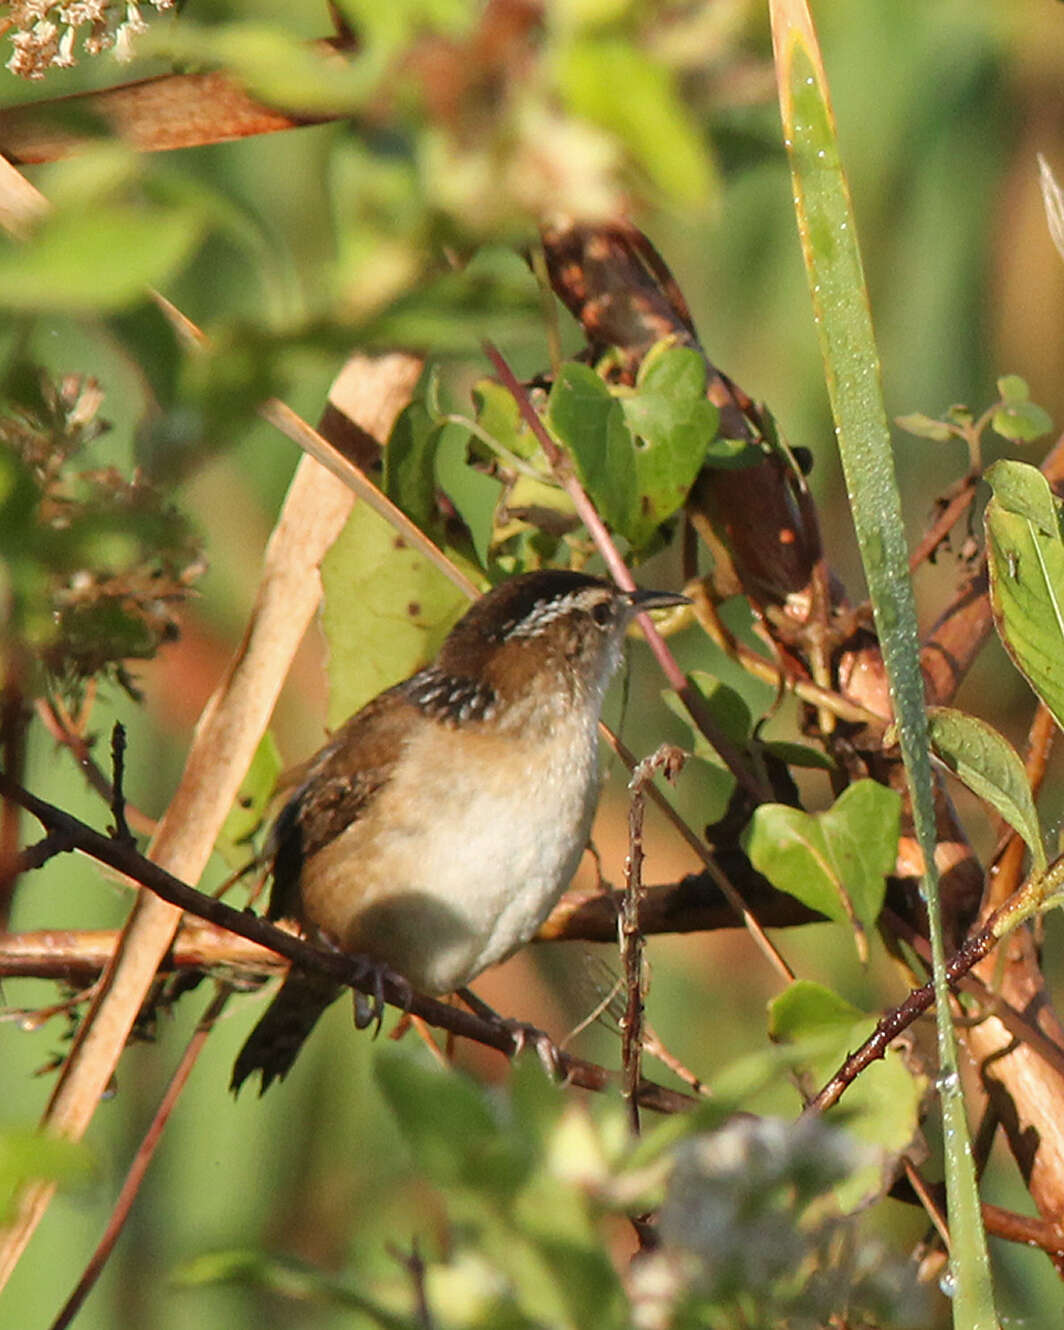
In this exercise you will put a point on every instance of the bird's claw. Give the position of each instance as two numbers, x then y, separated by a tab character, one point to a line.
521	1032
525	1035
369	1007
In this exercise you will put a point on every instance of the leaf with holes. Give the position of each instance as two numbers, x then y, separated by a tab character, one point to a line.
386	611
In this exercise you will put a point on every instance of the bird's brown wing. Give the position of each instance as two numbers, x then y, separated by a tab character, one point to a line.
339	782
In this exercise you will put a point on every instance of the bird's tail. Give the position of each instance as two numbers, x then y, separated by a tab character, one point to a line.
273	1045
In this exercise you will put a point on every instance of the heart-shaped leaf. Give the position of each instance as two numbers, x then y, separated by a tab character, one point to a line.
836	861
638	452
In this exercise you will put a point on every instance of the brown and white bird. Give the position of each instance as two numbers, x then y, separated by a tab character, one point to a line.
436	830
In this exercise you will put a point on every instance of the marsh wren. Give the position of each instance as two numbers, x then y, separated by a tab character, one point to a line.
436	830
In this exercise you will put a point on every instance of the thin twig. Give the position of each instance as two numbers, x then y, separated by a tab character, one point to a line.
118	769
928	1200
618	569
141	1161
630	937
943	524
991	1003
720	878
347	970
896	1021
62	731
12	755
38	854
669	760
414	1264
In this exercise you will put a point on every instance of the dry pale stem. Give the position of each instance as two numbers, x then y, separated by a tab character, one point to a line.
226	736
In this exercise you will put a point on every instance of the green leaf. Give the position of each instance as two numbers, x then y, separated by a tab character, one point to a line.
960	415
252	800
475	495
1025	554
100	258
452	1130
800	755
669	412
836	861
806	1007
28	1154
499	415
991	768
637	453
726	706
410	464
285	1277
386	611
1021	422
881	1108
275	66
925	427
1012	389
589	421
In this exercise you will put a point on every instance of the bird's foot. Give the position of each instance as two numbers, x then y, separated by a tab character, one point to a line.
369	1007
522	1033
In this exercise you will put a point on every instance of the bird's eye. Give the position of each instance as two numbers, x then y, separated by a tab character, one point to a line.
602	613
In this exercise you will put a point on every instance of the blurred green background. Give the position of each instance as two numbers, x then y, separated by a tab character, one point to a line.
942	107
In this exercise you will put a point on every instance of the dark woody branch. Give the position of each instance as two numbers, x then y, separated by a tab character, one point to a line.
692	905
125	859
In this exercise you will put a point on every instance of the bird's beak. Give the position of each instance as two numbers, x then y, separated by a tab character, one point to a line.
654	600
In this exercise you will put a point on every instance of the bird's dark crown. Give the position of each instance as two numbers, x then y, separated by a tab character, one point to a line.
537	628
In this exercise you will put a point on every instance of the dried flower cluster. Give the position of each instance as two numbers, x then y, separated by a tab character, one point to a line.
92	565
43	32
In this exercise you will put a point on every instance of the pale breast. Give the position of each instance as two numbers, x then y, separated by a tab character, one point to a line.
449	873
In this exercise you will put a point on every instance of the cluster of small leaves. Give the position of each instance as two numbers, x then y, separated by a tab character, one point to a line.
43	34
750	1232
1013	416
519	117
92	566
480	485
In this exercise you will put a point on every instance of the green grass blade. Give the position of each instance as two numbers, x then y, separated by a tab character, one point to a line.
847	343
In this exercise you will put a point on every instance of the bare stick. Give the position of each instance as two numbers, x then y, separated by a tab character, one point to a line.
141	1160
618	569
669	760
118	770
891	1025
62	730
720	878
353	971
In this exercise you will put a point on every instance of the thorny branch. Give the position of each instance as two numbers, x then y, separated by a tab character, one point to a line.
668	760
